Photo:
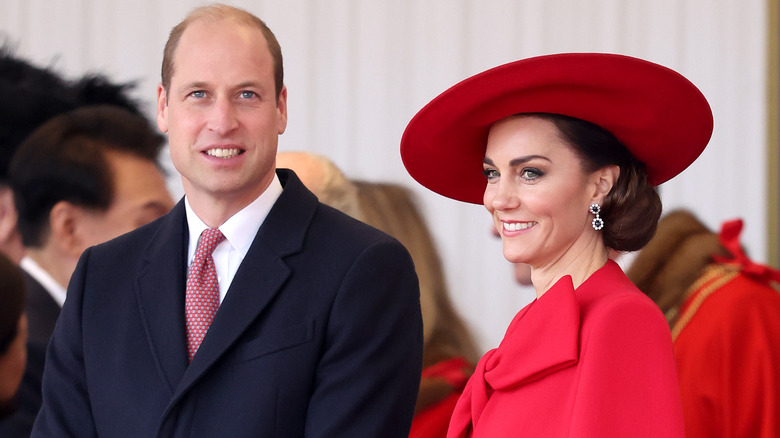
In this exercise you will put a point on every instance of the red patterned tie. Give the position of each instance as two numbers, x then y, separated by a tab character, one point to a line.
202	299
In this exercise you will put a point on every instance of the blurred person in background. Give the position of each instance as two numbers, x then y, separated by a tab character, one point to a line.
320	175
80	179
724	313
13	333
32	96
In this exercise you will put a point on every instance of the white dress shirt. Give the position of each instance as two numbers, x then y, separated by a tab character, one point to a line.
239	232
56	290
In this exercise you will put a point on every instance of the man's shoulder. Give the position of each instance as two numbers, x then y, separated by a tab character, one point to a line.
346	228
298	210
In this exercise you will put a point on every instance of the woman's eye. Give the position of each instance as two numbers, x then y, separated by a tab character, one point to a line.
490	174
531	174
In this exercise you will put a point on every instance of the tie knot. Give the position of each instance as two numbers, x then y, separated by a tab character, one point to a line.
209	239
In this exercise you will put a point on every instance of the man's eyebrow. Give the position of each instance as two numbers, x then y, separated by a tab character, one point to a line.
248	84
192	85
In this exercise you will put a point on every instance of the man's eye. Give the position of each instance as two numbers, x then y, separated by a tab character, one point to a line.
199	94
248	94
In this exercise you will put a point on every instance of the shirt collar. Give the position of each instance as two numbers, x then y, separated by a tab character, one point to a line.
240	229
56	290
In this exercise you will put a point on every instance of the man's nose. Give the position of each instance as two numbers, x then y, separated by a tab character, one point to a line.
222	117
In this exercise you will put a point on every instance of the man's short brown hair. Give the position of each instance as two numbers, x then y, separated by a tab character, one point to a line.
217	12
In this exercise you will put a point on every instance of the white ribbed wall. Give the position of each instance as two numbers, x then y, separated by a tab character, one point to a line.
358	70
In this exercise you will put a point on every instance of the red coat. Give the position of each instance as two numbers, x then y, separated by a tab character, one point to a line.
595	362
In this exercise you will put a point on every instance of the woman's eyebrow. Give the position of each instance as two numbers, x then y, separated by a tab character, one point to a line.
517	161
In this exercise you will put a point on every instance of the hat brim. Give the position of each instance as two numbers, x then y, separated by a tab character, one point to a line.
660	116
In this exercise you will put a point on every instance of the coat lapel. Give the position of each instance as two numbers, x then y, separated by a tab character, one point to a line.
160	290
260	277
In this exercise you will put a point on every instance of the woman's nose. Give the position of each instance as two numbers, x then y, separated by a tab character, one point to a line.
503	196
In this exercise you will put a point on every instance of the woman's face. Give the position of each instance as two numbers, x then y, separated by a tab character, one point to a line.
537	192
13	361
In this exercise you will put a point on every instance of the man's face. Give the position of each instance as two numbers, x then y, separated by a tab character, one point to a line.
140	196
221	112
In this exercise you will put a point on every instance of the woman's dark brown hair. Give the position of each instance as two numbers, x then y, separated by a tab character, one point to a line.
632	208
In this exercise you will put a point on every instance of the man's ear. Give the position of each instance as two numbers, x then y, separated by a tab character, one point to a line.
8	215
162	108
281	111
604	179
63	233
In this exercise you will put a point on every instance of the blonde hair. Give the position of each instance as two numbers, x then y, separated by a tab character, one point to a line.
321	176
392	209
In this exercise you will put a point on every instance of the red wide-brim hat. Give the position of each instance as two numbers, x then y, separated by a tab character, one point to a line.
661	117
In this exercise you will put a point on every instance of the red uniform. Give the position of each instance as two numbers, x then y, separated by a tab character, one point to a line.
432	421
727	347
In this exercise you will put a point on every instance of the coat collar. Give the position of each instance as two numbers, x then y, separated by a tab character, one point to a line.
160	289
161	284
543	338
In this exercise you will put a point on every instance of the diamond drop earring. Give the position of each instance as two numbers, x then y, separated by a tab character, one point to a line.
598	222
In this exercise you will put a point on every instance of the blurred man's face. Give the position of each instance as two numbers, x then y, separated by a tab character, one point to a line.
140	196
